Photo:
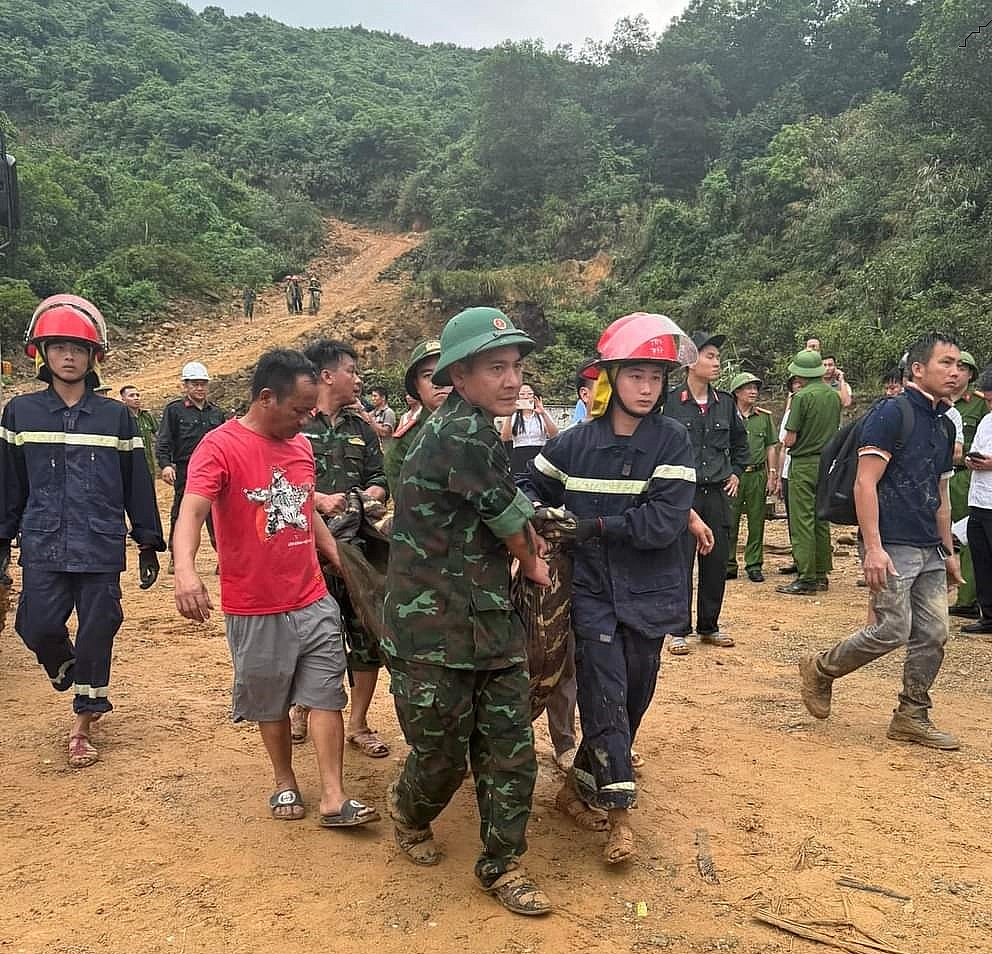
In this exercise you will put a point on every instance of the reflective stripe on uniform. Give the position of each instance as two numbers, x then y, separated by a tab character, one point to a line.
19	439
93	692
605	485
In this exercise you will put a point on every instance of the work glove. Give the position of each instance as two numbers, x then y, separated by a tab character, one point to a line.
590	529
147	568
555	524
5	579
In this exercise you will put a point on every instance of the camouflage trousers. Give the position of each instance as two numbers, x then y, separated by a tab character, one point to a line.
482	717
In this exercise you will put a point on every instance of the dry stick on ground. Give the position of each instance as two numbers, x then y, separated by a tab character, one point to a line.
704	860
800	929
846	882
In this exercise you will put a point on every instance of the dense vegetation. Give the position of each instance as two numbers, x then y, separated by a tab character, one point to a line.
772	169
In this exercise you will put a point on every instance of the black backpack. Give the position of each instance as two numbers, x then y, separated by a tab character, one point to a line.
839	463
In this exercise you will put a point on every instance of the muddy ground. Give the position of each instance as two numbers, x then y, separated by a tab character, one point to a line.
166	844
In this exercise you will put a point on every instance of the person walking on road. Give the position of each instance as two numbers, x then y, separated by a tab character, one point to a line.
457	654
627	476
72	466
348	457
814	417
284	631
758	481
720	445
904	517
184	424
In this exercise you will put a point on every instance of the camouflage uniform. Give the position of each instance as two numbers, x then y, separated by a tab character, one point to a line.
348	455
399	445
457	654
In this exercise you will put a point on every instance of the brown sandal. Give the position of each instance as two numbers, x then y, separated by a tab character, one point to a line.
517	893
569	802
620	846
416	843
368	742
82	754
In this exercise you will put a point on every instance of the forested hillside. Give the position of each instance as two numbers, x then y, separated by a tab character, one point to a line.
768	168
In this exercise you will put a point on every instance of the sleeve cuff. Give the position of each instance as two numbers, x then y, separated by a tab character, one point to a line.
513	519
614	526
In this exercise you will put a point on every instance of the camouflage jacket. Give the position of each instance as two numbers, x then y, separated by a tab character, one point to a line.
347	454
447	587
396	449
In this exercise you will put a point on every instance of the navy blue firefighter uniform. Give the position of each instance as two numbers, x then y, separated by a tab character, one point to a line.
629	582
69	474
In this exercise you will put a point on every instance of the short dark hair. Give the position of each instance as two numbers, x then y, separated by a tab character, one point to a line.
892	376
921	349
127	387
278	370
829	357
984	382
381	389
328	352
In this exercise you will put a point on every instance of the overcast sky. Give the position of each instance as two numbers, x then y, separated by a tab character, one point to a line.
467	24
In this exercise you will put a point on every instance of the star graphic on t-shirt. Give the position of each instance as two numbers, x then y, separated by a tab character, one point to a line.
283	503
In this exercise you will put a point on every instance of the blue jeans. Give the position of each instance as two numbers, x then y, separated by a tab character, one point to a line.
911	611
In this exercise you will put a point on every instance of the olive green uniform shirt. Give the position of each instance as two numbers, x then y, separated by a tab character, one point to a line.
347	453
972	409
448	583
396	449
760	436
814	418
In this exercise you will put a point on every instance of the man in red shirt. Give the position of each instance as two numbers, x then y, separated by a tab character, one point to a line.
257	475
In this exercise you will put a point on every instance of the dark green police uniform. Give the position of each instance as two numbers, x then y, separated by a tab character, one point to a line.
752	491
148	429
456	655
348	456
814	418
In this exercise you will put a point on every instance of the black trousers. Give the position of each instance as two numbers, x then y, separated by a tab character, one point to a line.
713	507
47	601
980	541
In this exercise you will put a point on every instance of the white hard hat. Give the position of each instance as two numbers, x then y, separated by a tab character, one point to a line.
194	371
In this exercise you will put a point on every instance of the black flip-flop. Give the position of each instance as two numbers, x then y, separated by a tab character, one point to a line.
352	813
287	798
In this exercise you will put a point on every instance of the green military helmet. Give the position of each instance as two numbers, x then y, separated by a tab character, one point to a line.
967	359
430	348
807	364
742	378
473	331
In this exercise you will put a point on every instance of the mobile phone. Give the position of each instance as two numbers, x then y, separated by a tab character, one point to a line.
974	455
525	405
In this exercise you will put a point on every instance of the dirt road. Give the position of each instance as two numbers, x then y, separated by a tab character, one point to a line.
166	844
351	261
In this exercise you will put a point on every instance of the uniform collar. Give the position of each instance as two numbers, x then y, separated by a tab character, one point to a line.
712	395
605	437
54	403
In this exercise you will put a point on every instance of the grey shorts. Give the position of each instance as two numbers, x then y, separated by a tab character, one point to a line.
286	658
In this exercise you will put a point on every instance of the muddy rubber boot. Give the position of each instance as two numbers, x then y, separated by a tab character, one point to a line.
817	688
907	727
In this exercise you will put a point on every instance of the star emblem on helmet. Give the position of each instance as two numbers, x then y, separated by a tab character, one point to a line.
499	324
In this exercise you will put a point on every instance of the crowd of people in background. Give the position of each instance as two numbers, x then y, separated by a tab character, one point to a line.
647	487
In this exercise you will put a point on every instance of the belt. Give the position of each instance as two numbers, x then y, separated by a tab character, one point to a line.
755	469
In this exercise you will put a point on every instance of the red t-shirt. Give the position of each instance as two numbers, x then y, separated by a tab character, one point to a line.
262	494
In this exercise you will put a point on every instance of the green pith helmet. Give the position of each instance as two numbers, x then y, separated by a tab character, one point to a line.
473	331
430	348
807	364
744	377
967	359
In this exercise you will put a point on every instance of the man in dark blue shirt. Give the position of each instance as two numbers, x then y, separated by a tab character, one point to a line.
901	495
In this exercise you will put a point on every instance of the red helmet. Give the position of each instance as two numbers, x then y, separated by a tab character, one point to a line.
67	317
644	337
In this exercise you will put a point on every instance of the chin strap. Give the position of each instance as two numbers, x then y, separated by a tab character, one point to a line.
604	394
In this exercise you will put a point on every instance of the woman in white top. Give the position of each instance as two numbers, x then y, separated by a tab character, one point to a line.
528	428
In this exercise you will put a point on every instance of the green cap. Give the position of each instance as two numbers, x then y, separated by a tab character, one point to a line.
742	378
430	348
966	358
473	331
807	364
